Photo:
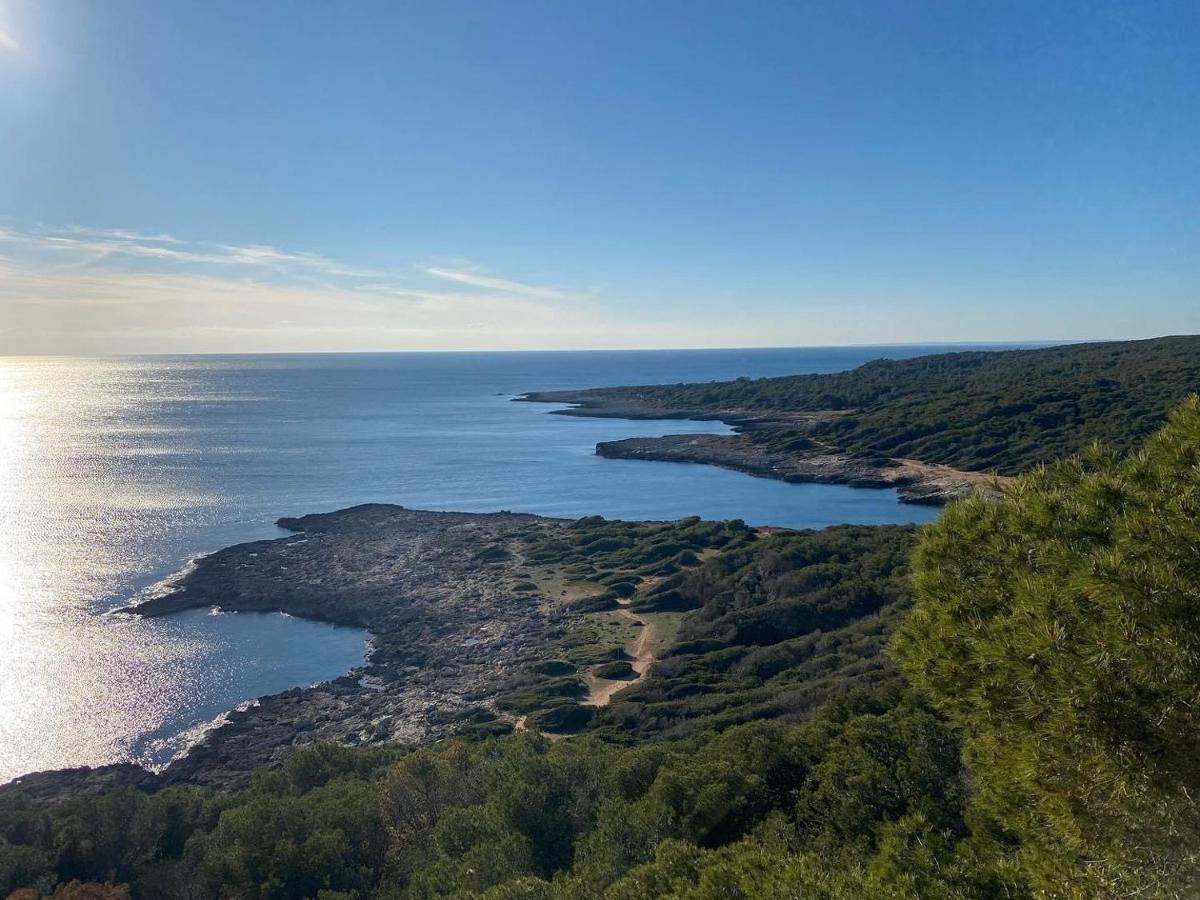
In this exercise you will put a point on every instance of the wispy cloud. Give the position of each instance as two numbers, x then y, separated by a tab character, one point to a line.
116	249
79	243
476	279
120	290
78	289
121	234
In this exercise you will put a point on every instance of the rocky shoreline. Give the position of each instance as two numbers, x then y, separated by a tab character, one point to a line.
443	595
914	481
447	598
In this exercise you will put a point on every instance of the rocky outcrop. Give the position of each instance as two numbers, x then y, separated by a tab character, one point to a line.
441	593
59	784
915	482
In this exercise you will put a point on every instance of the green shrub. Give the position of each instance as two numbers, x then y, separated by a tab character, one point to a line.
1060	630
617	670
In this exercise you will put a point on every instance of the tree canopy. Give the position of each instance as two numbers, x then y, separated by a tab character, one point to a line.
1006	411
1038	737
1059	630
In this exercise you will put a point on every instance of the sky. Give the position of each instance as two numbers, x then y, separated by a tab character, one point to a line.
267	176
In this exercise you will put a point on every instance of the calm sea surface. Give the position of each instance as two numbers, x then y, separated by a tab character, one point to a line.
114	472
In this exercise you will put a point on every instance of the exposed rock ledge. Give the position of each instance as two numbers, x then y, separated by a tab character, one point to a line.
434	589
915	481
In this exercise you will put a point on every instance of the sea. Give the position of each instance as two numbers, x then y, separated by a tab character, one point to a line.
116	472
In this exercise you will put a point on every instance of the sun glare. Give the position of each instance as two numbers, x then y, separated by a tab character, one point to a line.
12	455
9	45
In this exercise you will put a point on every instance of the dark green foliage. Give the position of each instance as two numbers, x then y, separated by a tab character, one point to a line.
623	588
670	599
480	723
778	623
564	718
779	626
890	765
598	603
541	692
1060	630
625	550
518	816
1006	411
313	825
618	669
278	844
554	667
772	751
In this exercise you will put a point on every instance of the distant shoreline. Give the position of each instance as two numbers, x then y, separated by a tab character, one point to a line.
914	481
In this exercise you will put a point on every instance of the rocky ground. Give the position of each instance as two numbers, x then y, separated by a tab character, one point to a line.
457	614
916	481
445	595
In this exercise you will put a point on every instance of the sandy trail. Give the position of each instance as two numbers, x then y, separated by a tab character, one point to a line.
602	691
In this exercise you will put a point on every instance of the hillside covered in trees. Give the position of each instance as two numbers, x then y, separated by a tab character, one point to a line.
1005	411
1036	735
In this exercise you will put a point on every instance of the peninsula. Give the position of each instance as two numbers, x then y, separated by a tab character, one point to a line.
934	427
746	705
489	623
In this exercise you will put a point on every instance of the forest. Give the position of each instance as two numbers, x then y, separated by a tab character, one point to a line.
1005	411
1000	705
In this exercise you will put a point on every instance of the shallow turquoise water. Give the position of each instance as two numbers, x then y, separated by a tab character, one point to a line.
114	472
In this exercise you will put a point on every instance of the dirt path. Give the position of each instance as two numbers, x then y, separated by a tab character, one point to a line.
602	690
949	473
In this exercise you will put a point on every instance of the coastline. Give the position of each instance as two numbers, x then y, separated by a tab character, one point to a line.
914	481
443	595
452	629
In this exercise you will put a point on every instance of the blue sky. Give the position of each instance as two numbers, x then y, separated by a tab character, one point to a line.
216	176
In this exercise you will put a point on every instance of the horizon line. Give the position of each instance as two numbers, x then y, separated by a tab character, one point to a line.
1035	342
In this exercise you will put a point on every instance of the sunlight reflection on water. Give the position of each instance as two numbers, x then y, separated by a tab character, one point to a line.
113	472
78	514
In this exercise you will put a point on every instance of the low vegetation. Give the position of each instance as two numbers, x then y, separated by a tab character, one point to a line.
1035	735
776	628
777	623
1003	411
519	816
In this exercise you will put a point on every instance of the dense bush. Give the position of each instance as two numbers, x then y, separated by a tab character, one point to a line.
618	669
779	626
1006	411
1044	744
313	826
518	816
621	553
1060	629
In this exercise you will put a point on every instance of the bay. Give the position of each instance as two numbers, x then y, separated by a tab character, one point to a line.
114	472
